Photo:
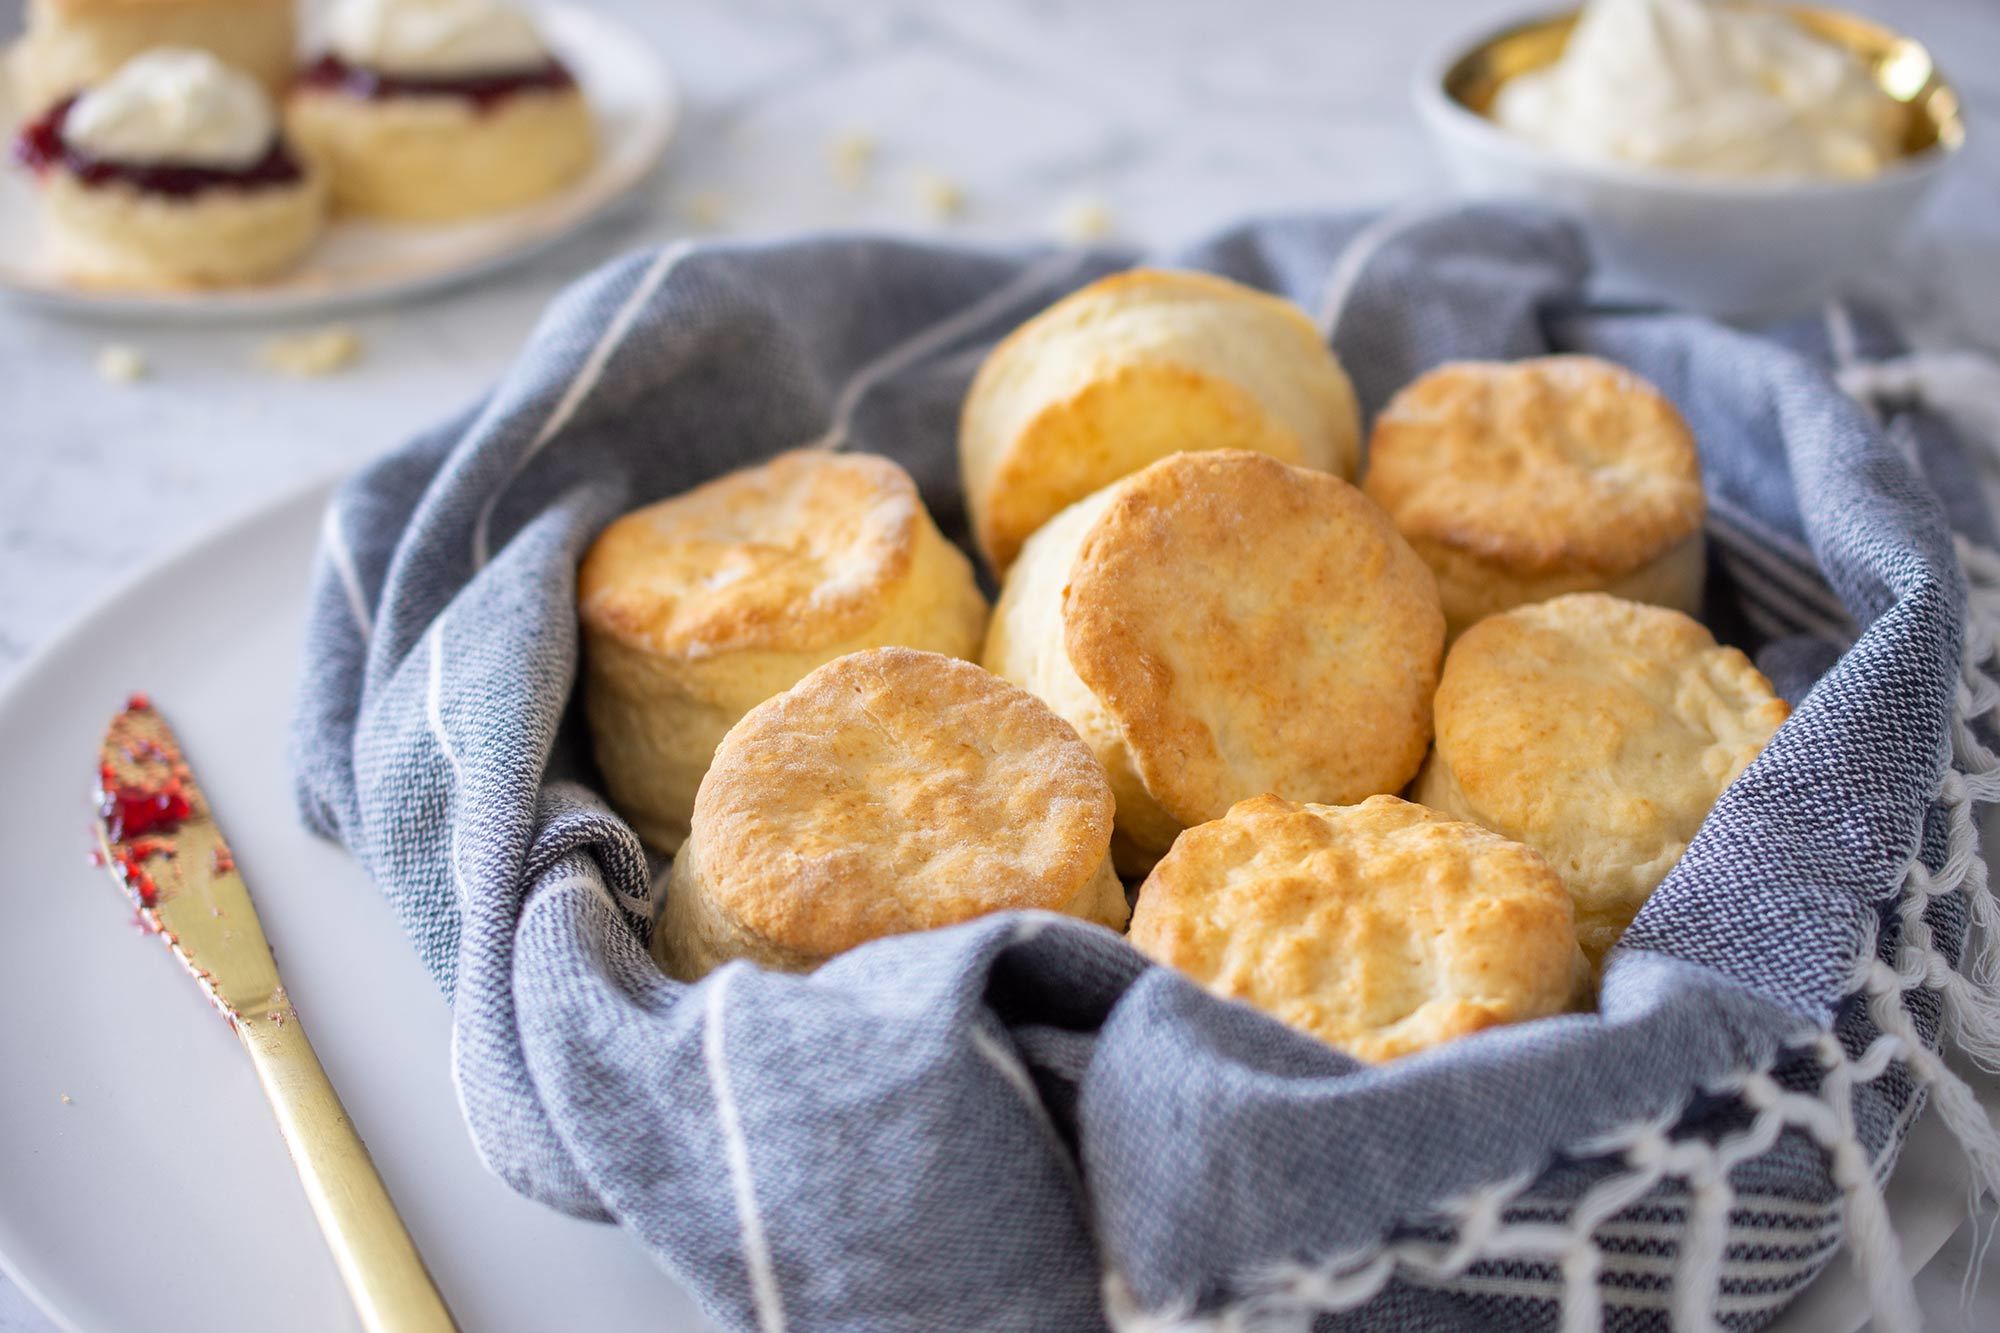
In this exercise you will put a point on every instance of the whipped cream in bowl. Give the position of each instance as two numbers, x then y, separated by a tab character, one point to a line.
174	106
1740	159
434	39
1686	85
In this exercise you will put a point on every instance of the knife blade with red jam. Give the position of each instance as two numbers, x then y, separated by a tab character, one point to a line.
144	795
160	841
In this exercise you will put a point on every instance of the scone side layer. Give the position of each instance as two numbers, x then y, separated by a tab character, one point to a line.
1025	644
443	159
115	235
663	688
1134	367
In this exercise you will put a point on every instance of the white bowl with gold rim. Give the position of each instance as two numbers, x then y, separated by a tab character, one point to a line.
1727	246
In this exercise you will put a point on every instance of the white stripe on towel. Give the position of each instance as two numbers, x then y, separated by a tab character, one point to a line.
342	558
1353	259
764	1294
579	388
934	338
1842	344
434	716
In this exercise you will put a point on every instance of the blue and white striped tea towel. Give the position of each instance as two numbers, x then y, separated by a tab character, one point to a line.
1018	1124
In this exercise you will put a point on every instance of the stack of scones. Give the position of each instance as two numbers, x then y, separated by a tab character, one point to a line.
1391	762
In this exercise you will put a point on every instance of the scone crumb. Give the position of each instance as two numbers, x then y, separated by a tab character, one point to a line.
943	198
311	354
1085	219
852	153
705	209
119	363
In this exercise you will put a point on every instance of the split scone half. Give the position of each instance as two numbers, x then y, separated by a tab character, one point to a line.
1130	369
172	174
69	45
889	791
1381	928
1521	481
1221	625
440	110
1600	732
698	608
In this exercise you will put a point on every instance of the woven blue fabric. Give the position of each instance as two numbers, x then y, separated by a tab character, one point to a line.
971	1128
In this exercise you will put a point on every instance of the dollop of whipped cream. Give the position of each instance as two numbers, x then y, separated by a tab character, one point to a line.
434	38
1719	90
176	106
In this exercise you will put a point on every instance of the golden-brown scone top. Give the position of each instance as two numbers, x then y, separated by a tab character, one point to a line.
889	791
1130	369
698	608
1222	624
1600	732
1382	928
1555	474
791	554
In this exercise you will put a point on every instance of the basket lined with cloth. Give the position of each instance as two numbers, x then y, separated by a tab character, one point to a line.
1019	1123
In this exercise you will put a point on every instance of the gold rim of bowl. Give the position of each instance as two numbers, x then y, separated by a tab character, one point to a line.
1901	67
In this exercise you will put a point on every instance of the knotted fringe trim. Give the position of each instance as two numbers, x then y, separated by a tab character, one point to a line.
1481	1229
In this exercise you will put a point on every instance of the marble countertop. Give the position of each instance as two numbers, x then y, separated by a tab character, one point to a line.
1169	117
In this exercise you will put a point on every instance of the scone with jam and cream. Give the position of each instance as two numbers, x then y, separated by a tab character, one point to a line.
173	173
440	110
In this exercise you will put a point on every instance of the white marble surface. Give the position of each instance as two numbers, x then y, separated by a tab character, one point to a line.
1173	116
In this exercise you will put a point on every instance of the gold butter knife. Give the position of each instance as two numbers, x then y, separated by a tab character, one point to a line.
159	839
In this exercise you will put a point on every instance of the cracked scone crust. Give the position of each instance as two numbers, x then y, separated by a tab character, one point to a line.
1222	625
1600	732
1381	928
1520	481
700	607
889	791
1132	368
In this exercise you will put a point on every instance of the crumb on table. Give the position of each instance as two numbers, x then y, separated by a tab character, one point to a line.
1085	219
118	363
942	197
314	353
852	152
705	208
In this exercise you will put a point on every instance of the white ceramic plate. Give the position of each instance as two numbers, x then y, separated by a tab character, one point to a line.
363	262
158	1196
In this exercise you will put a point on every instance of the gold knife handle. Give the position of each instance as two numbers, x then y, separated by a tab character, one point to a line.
385	1276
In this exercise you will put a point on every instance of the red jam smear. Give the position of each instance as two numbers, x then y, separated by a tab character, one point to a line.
132	811
130	861
40	146
485	91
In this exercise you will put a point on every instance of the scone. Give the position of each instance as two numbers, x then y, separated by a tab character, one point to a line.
1599	732
889	791
1521	481
698	608
1135	367
172	174
1381	928
1220	625
71	45
440	110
